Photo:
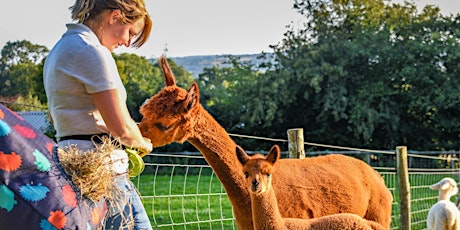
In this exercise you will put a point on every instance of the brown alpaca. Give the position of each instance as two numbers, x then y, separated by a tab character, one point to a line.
258	171
312	187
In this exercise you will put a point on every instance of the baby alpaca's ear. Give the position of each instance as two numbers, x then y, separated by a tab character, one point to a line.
274	154
241	155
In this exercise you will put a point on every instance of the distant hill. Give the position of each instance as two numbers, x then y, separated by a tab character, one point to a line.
196	64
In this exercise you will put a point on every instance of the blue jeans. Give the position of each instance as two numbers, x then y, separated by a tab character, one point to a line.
131	204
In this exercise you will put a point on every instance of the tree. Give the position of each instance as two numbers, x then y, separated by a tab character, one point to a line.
21	68
224	91
367	74
22	51
141	80
229	93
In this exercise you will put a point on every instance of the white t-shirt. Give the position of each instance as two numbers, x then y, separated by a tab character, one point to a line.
77	66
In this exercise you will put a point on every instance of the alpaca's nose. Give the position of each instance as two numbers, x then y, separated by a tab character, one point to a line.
255	183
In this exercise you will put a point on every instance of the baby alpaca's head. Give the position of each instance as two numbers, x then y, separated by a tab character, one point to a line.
258	169
447	187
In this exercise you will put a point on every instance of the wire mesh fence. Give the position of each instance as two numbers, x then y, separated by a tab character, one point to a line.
181	191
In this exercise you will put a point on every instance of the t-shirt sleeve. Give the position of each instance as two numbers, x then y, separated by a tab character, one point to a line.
96	69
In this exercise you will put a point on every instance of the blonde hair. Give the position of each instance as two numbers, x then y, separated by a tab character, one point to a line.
131	10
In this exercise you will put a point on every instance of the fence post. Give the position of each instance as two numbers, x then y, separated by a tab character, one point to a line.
295	143
404	187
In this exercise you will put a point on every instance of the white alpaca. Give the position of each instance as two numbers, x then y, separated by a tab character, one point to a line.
265	212
444	215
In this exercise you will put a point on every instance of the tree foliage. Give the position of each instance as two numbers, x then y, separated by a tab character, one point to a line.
21	68
141	80
228	92
360	73
224	91
21	76
366	74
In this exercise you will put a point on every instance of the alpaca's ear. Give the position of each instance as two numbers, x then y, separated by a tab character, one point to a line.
193	97
274	154
241	155
441	185
435	186
167	73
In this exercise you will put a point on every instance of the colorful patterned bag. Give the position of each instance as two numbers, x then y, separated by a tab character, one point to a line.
34	192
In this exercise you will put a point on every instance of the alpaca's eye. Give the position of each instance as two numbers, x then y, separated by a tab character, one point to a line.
161	127
268	175
246	174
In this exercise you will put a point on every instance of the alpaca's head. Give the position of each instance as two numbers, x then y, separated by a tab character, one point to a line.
258	169
447	187
166	117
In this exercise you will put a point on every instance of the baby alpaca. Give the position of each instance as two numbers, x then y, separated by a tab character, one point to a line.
444	215
265	213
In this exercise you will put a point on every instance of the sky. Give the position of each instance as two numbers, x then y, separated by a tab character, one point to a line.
183	27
